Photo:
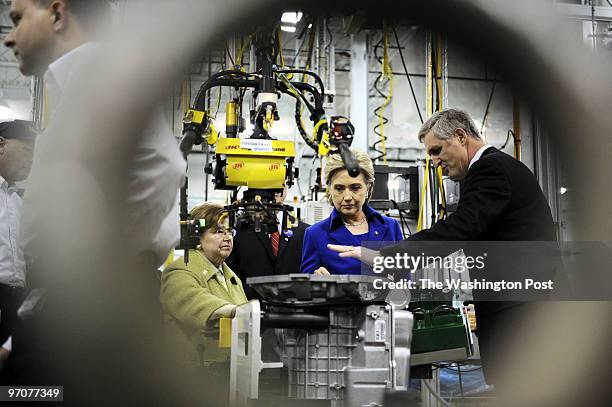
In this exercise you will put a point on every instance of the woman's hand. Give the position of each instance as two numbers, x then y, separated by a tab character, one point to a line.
321	271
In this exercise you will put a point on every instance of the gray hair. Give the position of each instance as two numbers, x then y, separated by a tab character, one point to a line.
445	122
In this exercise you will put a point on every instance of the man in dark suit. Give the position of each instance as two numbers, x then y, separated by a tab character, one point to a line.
501	200
261	254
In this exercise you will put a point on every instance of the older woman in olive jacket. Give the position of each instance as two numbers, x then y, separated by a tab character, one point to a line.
195	295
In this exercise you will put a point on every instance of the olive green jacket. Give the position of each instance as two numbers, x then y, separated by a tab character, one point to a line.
190	294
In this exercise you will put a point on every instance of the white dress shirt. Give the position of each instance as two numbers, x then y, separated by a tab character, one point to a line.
12	265
478	154
155	175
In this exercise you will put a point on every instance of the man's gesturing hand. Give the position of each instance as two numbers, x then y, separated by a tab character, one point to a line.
356	252
346	251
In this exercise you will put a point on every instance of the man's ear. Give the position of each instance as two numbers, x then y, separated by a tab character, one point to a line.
59	13
461	135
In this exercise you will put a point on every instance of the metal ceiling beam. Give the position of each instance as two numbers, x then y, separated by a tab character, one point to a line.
582	12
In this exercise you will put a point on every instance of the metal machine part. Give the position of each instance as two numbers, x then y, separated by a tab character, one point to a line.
338	341
308	289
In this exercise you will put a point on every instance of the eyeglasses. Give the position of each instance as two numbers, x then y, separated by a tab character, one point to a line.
221	232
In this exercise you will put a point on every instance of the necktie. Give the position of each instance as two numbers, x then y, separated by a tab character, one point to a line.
274	239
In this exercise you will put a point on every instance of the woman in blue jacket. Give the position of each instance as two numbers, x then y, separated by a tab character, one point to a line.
351	222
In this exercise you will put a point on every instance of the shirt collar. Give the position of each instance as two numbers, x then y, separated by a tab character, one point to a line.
478	154
59	72
4	183
371	215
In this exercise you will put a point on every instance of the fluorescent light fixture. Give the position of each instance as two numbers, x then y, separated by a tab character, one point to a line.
562	190
288	28
291	17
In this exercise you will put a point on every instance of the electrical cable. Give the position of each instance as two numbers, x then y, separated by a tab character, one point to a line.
442	205
315	111
433	194
306	72
331	41
403	221
387	76
510	132
242	49
298	160
434	63
484	119
218	102
416	103
300	126
435	394
297	51
423	195
207	85
460	380
229	54
464	371
280	47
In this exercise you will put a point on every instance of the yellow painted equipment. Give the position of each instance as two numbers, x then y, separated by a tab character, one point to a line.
225	333
255	163
195	116
231	118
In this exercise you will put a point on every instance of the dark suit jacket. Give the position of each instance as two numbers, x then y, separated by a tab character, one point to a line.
252	255
501	200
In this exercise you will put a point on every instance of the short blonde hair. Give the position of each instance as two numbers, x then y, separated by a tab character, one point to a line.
211	212
333	164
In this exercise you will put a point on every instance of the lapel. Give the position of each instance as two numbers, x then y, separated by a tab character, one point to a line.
211	276
341	235
376	231
232	284
265	242
284	242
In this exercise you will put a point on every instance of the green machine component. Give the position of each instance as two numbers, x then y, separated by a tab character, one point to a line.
437	326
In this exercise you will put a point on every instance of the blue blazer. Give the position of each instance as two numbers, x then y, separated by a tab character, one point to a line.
315	253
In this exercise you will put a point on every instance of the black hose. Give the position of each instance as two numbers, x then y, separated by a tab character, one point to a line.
298	116
416	103
378	111
294	320
283	88
241	83
187	142
349	160
318	110
228	72
210	83
306	72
